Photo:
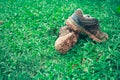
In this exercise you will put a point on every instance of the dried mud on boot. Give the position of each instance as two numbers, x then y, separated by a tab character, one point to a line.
66	40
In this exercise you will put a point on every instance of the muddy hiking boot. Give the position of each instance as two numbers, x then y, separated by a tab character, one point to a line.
67	38
86	24
75	24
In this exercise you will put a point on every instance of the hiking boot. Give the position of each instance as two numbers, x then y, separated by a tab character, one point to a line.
67	38
86	24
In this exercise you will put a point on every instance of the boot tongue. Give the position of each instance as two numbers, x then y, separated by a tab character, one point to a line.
79	13
77	17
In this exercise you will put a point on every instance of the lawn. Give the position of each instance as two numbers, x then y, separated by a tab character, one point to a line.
29	28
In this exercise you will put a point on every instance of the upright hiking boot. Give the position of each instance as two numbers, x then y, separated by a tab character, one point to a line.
67	38
86	24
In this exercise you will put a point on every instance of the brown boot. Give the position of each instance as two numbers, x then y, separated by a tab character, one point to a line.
86	24
67	38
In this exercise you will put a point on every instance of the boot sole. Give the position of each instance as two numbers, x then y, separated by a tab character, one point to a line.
65	43
72	24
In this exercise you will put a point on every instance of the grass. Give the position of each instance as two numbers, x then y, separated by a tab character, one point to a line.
29	28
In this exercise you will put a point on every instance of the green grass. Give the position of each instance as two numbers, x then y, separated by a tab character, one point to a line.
30	27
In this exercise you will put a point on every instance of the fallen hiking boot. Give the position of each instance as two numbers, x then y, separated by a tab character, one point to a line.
86	24
67	38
